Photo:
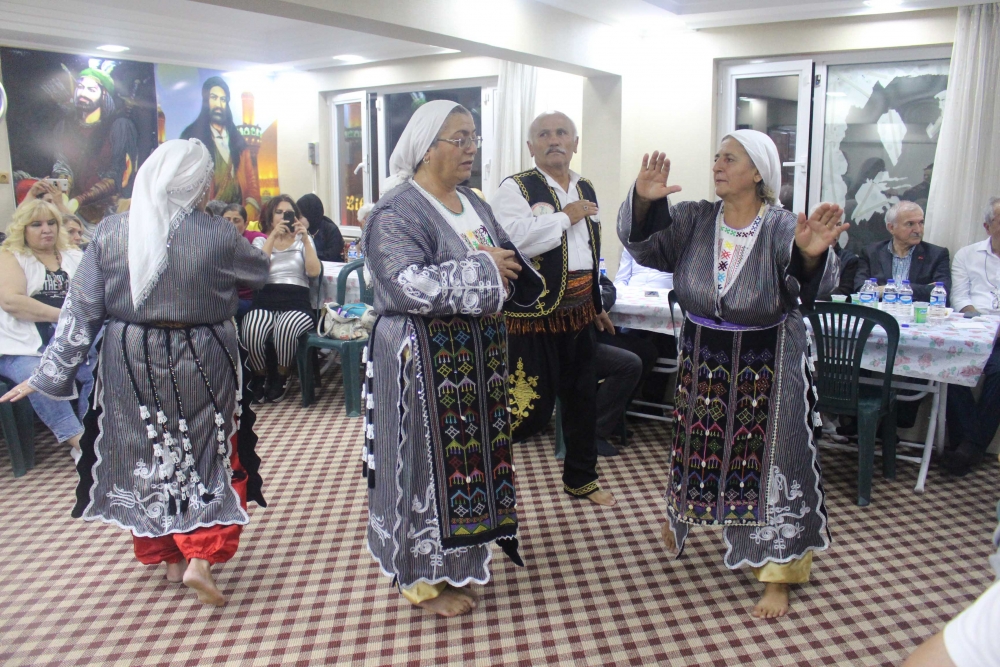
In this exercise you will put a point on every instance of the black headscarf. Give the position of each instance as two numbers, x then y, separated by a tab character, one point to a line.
329	241
312	210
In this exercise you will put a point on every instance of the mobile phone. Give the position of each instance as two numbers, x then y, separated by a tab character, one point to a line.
61	183
652	293
289	217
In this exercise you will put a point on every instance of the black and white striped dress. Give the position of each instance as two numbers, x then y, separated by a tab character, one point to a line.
788	518
149	357
422	268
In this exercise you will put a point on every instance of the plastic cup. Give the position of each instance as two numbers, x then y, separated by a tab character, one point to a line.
856	298
838	298
920	312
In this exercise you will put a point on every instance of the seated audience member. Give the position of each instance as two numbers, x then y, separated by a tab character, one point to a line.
648	345
281	310
906	256
37	262
848	270
971	639
216	208
975	279
325	234
75	231
618	371
237	214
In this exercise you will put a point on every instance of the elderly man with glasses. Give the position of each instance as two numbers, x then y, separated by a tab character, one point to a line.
975	278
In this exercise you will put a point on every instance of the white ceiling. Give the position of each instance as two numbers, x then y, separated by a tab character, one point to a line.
190	33
699	14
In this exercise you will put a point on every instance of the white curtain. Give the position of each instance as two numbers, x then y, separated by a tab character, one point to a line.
967	162
515	109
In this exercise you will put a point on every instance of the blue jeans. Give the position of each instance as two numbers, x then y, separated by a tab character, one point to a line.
60	416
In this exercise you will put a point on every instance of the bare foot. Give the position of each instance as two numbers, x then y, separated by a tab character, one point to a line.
774	602
466	592
198	577
668	539
602	497
449	603
175	571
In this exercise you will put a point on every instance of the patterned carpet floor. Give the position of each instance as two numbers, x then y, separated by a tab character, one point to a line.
598	588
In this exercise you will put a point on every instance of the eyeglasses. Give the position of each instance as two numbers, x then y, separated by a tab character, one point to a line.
465	142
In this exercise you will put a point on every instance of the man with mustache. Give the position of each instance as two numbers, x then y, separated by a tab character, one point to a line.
551	215
235	179
96	151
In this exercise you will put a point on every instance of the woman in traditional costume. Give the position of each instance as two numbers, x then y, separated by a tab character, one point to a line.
167	451
743	455
437	452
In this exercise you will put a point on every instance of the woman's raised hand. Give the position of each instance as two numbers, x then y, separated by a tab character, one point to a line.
651	184
813	235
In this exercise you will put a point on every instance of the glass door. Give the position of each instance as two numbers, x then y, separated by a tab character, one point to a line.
351	156
776	99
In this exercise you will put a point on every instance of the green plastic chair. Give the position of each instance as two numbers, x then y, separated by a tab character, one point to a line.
18	422
350	350
841	331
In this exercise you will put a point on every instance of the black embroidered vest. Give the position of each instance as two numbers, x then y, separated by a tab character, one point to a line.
553	265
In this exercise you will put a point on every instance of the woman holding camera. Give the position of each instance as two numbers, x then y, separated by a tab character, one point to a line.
281	311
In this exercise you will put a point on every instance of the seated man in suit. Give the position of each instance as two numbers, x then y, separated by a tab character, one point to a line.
906	256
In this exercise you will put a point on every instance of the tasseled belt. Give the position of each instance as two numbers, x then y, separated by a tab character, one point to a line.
575	310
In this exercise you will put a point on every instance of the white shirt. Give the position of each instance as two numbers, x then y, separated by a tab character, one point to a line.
635	275
221	142
975	276
466	224
971	638
537	234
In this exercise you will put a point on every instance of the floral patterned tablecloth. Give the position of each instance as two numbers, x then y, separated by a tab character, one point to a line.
952	350
328	288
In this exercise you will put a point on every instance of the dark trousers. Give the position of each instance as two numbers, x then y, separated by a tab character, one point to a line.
559	365
971	421
620	371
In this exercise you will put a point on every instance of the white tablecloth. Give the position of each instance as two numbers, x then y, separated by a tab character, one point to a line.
328	289
952	350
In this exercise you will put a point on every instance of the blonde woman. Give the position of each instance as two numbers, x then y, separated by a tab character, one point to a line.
37	262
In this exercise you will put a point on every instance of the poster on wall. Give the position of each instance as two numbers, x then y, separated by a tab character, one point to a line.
87	123
232	113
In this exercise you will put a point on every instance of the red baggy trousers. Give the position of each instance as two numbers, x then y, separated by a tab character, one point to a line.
216	544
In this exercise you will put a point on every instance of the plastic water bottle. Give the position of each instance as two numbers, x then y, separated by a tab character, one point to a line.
604	269
352	252
939	301
905	302
869	294
890	298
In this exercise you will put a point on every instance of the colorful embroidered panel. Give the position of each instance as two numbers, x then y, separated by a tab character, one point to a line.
464	363
722	442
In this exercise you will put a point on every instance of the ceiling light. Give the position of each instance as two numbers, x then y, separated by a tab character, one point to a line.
349	59
112	48
836	94
746	99
883	4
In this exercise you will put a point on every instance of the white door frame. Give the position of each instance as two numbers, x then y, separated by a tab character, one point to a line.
819	101
729	74
358	96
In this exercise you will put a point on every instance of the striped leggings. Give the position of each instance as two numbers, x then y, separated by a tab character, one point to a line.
260	326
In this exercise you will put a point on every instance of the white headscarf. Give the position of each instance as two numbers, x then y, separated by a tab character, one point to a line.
764	154
167	187
415	141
